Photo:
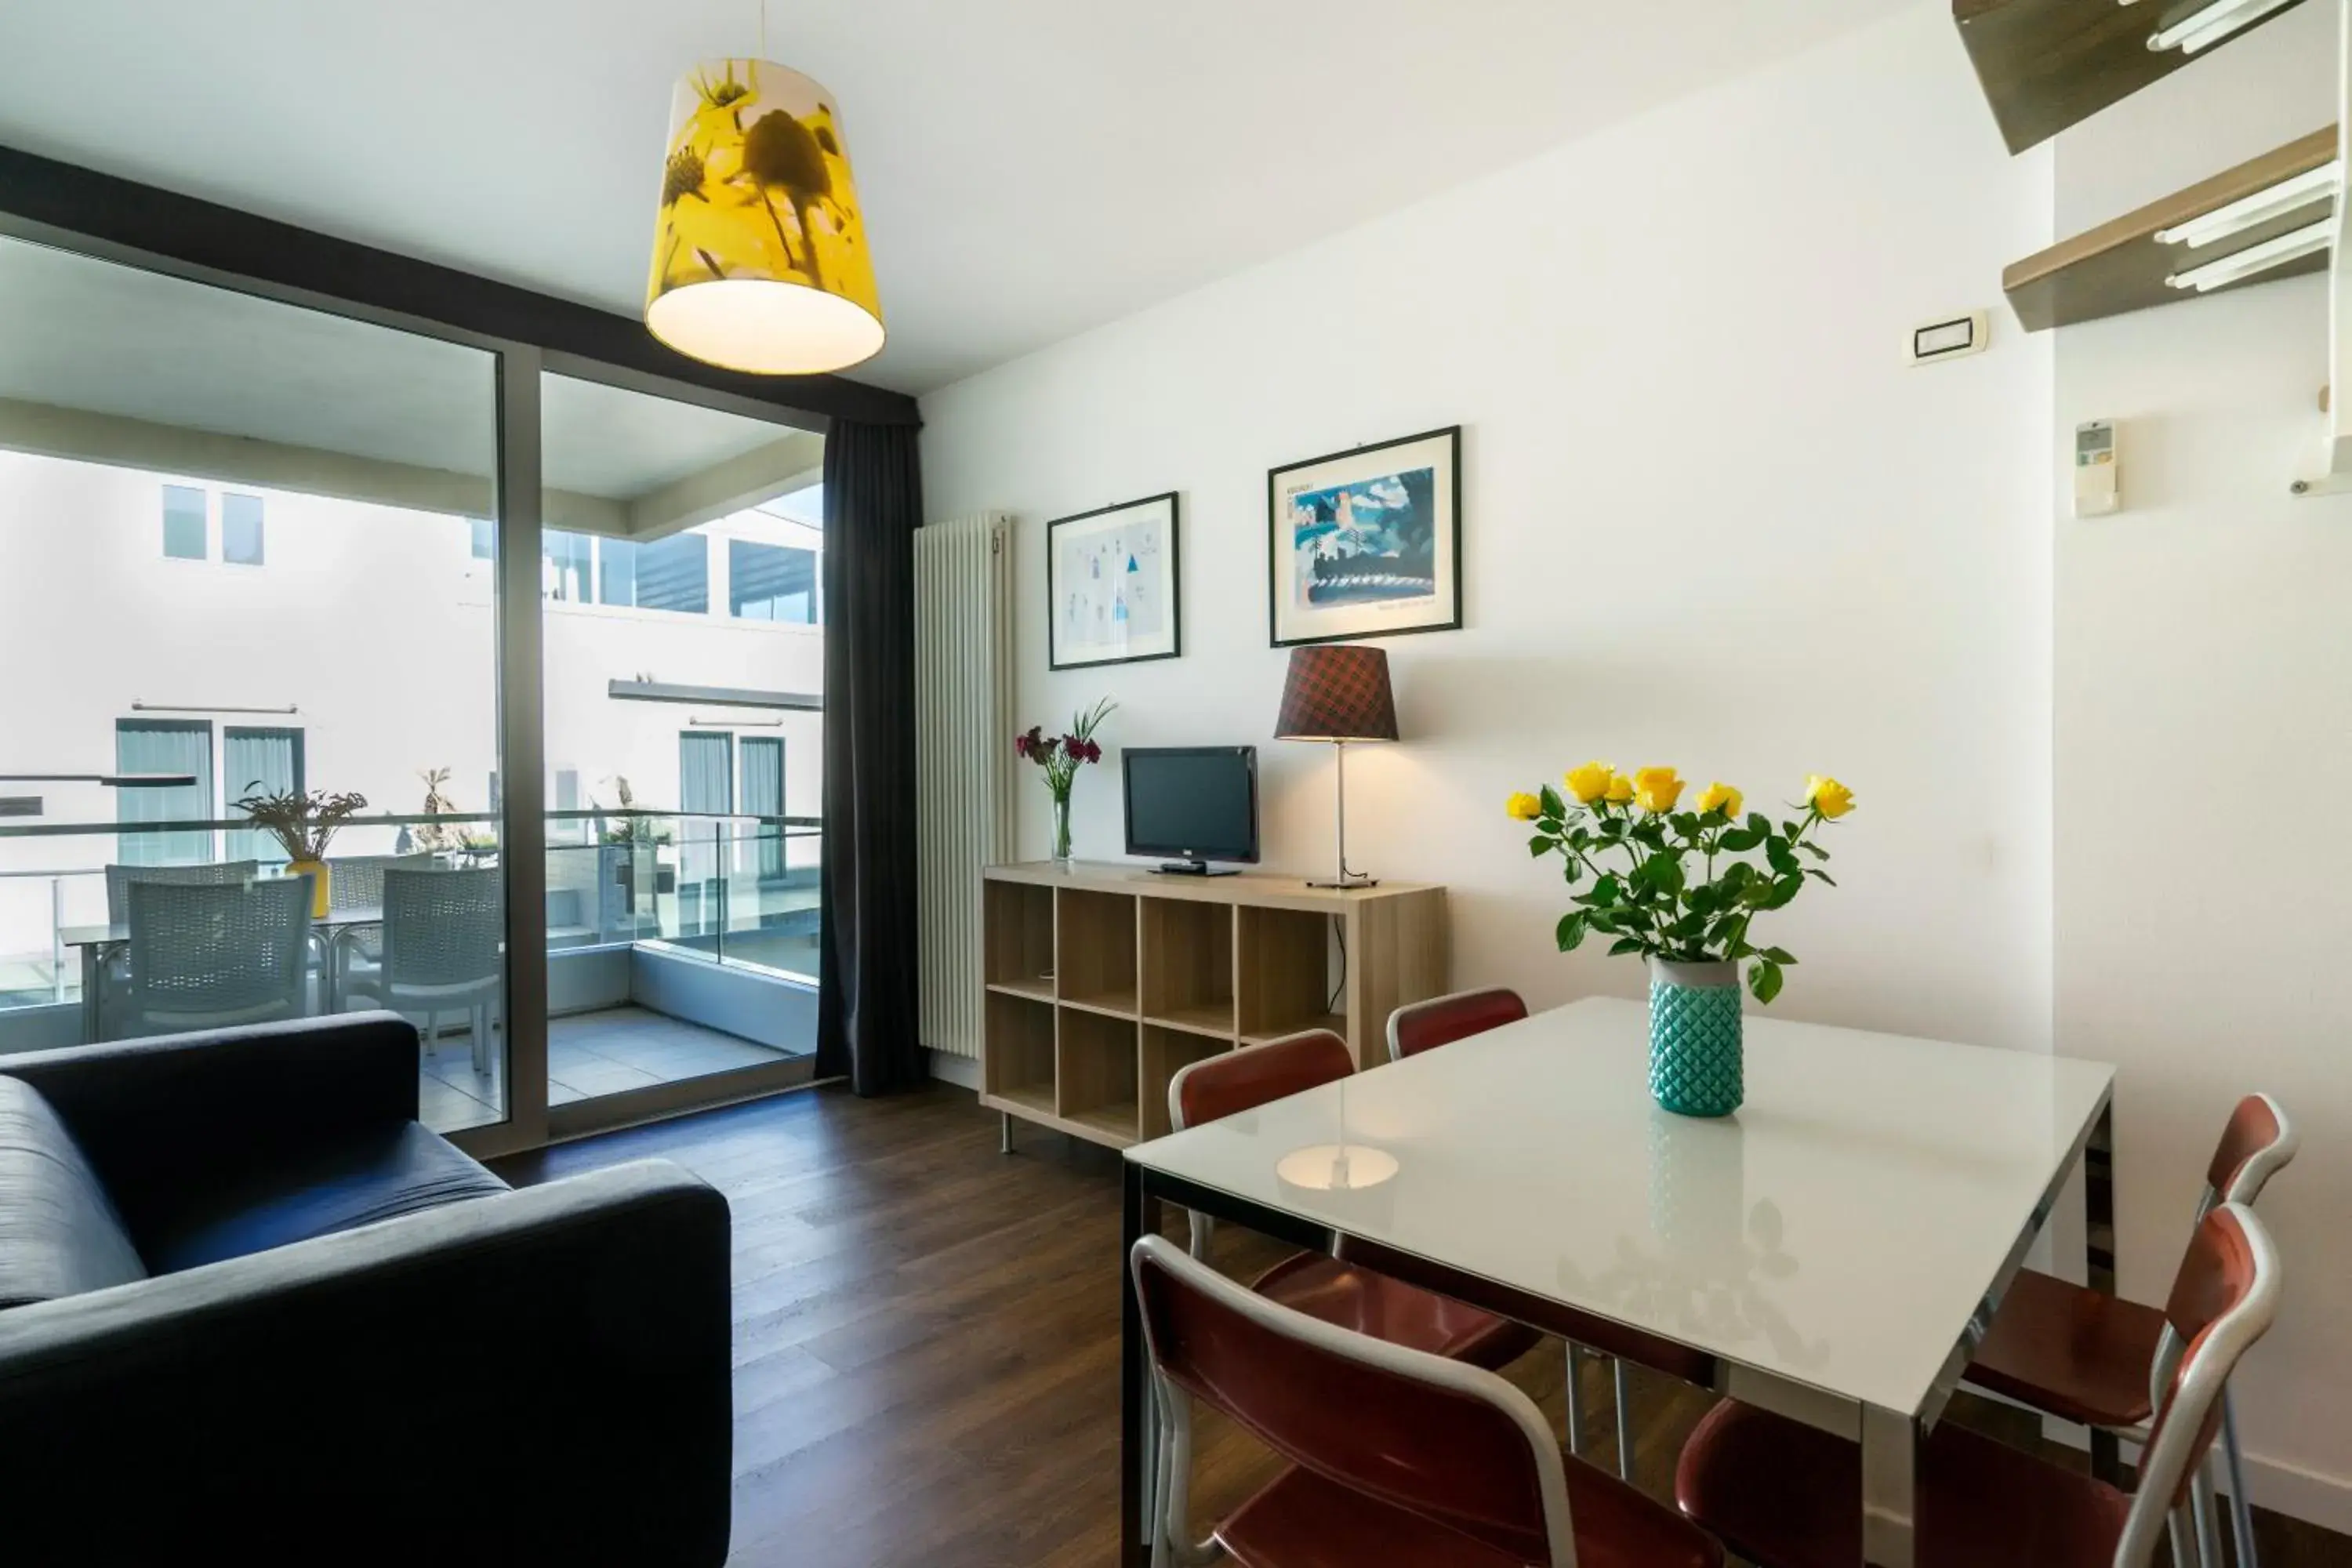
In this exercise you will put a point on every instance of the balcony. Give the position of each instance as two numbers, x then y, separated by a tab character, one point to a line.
681	947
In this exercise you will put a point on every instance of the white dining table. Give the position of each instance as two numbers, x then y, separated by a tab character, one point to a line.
1837	1246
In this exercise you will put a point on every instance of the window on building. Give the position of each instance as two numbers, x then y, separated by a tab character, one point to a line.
258	762
674	573
764	795
164	746
241	530
771	582
183	522
565	565
483	538
617	571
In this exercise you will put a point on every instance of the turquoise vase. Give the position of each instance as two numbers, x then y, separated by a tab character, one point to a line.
1695	1066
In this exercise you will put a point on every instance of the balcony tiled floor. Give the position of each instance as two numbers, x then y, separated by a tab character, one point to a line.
588	1055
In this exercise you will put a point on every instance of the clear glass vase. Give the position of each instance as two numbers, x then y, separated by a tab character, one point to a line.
1062	829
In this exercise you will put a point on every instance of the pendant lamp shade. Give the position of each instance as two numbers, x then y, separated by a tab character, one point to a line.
759	260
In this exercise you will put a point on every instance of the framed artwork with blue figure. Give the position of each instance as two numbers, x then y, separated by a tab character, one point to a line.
1368	542
1111	584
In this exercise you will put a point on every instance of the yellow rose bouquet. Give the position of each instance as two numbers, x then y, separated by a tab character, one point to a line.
1679	885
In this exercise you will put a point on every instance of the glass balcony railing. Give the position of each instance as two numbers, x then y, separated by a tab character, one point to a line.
734	889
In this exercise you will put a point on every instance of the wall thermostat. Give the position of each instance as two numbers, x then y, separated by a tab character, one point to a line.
2096	490
1955	337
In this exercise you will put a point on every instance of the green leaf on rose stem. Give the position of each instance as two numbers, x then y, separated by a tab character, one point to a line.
1780	856
1539	845
1581	837
1570	931
1685	823
1605	892
1825	876
1758	824
1764	980
1624	944
1783	889
1813	849
1604	920
1739	840
1780	956
1792	829
1571	871
1552	804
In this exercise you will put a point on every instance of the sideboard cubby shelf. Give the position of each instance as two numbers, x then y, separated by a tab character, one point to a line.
1104	982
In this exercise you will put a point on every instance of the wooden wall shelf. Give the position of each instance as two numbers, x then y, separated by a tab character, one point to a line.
2119	267
2047	64
1104	981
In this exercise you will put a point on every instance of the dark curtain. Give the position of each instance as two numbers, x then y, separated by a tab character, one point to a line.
866	1019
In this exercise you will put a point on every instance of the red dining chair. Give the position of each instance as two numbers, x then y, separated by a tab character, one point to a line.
1420	1026
1786	1495
2086	1356
1395	1456
1346	1294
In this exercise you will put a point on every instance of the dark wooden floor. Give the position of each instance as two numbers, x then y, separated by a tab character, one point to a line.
927	1341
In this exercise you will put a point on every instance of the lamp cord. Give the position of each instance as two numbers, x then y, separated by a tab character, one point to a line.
1339	933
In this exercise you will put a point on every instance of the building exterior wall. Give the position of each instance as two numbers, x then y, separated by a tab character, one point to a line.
375	623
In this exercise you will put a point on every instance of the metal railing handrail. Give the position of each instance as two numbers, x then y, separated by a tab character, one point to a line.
245	824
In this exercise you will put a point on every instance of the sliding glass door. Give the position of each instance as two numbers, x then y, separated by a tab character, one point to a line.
682	653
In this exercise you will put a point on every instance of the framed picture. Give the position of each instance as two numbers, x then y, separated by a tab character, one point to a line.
1111	583
1366	543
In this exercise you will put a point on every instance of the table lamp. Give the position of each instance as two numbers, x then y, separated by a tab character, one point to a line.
1338	693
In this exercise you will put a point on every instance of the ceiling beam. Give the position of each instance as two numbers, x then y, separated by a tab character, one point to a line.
729	486
46	430
202	233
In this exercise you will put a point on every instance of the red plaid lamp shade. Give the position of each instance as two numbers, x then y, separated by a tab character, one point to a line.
1337	691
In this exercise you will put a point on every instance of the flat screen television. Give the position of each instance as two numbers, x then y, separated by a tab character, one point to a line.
1192	803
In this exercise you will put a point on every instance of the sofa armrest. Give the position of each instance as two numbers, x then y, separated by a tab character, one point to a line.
168	1109
542	1376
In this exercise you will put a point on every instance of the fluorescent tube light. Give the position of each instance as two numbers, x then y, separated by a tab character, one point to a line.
2213	24
2256	259
2251	211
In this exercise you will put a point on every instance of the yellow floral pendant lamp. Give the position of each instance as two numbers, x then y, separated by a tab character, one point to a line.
759	260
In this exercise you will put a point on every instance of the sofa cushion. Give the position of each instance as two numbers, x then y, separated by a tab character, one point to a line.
401	1169
60	1235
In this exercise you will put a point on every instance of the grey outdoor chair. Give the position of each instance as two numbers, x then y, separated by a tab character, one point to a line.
206	957
442	936
119	879
357	883
114	973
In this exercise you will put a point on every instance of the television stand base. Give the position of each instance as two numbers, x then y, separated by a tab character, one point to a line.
1195	868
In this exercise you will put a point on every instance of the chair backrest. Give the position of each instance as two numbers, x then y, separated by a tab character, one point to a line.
119	876
1447	1441
441	928
356	882
2257	1145
199	948
1420	1026
1248	1077
2223	1299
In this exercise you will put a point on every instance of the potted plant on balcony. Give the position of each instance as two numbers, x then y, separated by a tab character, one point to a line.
622	842
304	824
1675	887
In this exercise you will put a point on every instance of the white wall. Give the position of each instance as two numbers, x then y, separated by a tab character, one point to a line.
2204	681
1711	518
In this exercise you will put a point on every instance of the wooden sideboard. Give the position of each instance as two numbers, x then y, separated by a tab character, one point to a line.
1104	981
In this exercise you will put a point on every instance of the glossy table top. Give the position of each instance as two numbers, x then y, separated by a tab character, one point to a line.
1838	1231
106	935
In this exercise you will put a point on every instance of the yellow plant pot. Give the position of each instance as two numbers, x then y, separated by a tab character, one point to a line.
317	871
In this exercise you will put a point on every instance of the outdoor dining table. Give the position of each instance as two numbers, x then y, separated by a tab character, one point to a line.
1837	1246
99	943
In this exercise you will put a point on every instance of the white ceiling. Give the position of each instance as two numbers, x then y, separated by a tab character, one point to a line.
1028	168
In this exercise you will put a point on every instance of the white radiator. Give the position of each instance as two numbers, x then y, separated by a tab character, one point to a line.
963	739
